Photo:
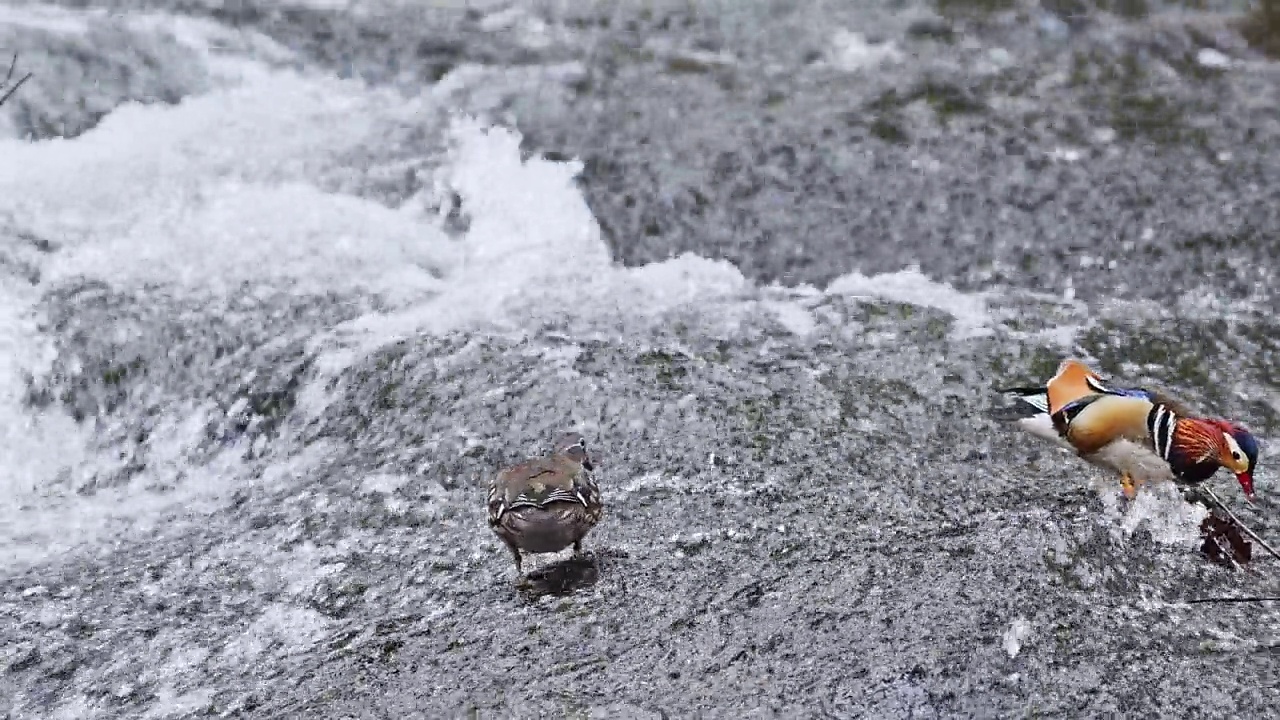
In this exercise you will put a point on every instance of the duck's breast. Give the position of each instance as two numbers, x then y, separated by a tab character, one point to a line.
549	529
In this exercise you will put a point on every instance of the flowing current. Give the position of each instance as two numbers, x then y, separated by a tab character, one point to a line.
267	324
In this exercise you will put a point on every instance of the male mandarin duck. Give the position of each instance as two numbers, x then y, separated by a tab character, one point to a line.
1143	434
546	504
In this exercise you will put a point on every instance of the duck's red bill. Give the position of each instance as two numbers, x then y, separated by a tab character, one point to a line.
1246	484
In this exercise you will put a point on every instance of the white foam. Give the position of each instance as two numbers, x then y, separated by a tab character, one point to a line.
228	188
522	26
50	520
244	185
282	235
228	54
75	707
35	446
51	19
1159	507
169	703
1017	633
383	483
380	6
797	319
533	253
1211	58
972	316
1062	336
219	190
850	51
280	629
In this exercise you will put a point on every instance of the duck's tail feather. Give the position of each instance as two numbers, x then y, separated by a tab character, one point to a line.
1035	397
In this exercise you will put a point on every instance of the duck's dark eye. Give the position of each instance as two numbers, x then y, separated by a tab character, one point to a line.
1235	455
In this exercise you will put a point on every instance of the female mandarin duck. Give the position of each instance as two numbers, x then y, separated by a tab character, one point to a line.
546	504
1141	433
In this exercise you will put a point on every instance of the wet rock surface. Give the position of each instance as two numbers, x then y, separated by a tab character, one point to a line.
794	527
808	514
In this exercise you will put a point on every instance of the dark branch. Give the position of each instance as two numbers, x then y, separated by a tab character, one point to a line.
9	76
1214	496
1232	600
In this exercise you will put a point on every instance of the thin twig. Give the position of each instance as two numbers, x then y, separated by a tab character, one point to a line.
1209	491
15	87
9	76
1231	600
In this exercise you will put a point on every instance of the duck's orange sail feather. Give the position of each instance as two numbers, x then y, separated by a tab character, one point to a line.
1070	384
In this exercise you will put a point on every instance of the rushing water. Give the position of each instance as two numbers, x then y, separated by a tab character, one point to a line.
273	306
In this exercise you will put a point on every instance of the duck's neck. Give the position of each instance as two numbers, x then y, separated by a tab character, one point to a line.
1193	442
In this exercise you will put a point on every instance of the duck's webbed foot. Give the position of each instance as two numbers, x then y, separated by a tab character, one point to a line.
1127	485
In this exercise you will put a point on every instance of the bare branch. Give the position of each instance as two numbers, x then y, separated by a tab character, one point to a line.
1208	491
9	76
1231	599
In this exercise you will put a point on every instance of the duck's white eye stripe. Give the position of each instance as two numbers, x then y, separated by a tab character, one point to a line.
1096	386
1233	446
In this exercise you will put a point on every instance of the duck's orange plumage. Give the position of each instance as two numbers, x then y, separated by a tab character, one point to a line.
1073	381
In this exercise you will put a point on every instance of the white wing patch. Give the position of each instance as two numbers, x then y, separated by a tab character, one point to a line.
1039	402
1233	446
1042	427
497	508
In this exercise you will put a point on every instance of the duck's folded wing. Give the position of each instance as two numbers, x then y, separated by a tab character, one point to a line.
1162	396
1094	422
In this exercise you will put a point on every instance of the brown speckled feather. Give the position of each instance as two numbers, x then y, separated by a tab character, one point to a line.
536	479
546	504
